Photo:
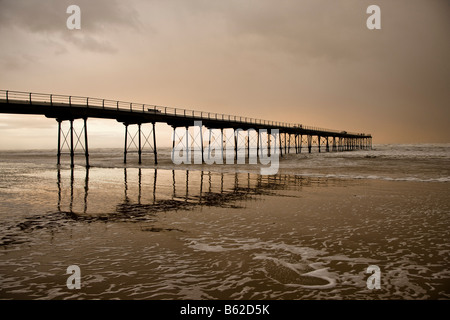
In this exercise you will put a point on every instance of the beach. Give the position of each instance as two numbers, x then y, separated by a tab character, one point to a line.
226	232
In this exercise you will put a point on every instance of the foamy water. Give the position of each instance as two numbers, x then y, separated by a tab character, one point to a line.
225	232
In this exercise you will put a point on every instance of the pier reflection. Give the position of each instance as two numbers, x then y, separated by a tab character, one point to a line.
140	194
144	192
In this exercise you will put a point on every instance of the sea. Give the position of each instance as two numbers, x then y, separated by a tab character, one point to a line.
314	230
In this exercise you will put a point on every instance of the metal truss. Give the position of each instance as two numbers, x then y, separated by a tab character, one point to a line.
143	140
72	139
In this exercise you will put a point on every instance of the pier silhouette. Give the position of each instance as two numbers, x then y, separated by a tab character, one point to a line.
284	137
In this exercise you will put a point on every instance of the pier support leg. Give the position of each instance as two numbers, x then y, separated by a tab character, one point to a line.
248	144
155	153
126	144
201	144
296	143
236	141
187	145
257	142
300	144
173	141
72	151
86	150
327	148
221	143
289	149
139	144
209	143
59	143
309	137
318	139
280	147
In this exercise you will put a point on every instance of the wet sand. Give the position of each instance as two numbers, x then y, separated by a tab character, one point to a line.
223	236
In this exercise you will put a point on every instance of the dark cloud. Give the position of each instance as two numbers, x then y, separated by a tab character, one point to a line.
48	17
319	29
330	29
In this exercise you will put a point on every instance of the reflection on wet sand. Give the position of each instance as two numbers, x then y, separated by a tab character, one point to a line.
137	195
148	192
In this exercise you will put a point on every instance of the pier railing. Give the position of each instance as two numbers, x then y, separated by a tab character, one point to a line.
56	100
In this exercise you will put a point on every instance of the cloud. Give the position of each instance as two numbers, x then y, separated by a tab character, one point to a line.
16	61
48	18
91	43
308	28
321	29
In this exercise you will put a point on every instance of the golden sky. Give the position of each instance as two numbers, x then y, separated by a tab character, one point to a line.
306	61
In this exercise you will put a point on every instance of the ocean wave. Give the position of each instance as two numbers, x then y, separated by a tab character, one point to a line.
373	177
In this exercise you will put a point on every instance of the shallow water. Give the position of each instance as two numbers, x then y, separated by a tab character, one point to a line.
226	232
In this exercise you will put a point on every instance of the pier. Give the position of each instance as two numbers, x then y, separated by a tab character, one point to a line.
140	133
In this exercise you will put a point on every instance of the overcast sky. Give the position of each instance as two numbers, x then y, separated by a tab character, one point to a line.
306	61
